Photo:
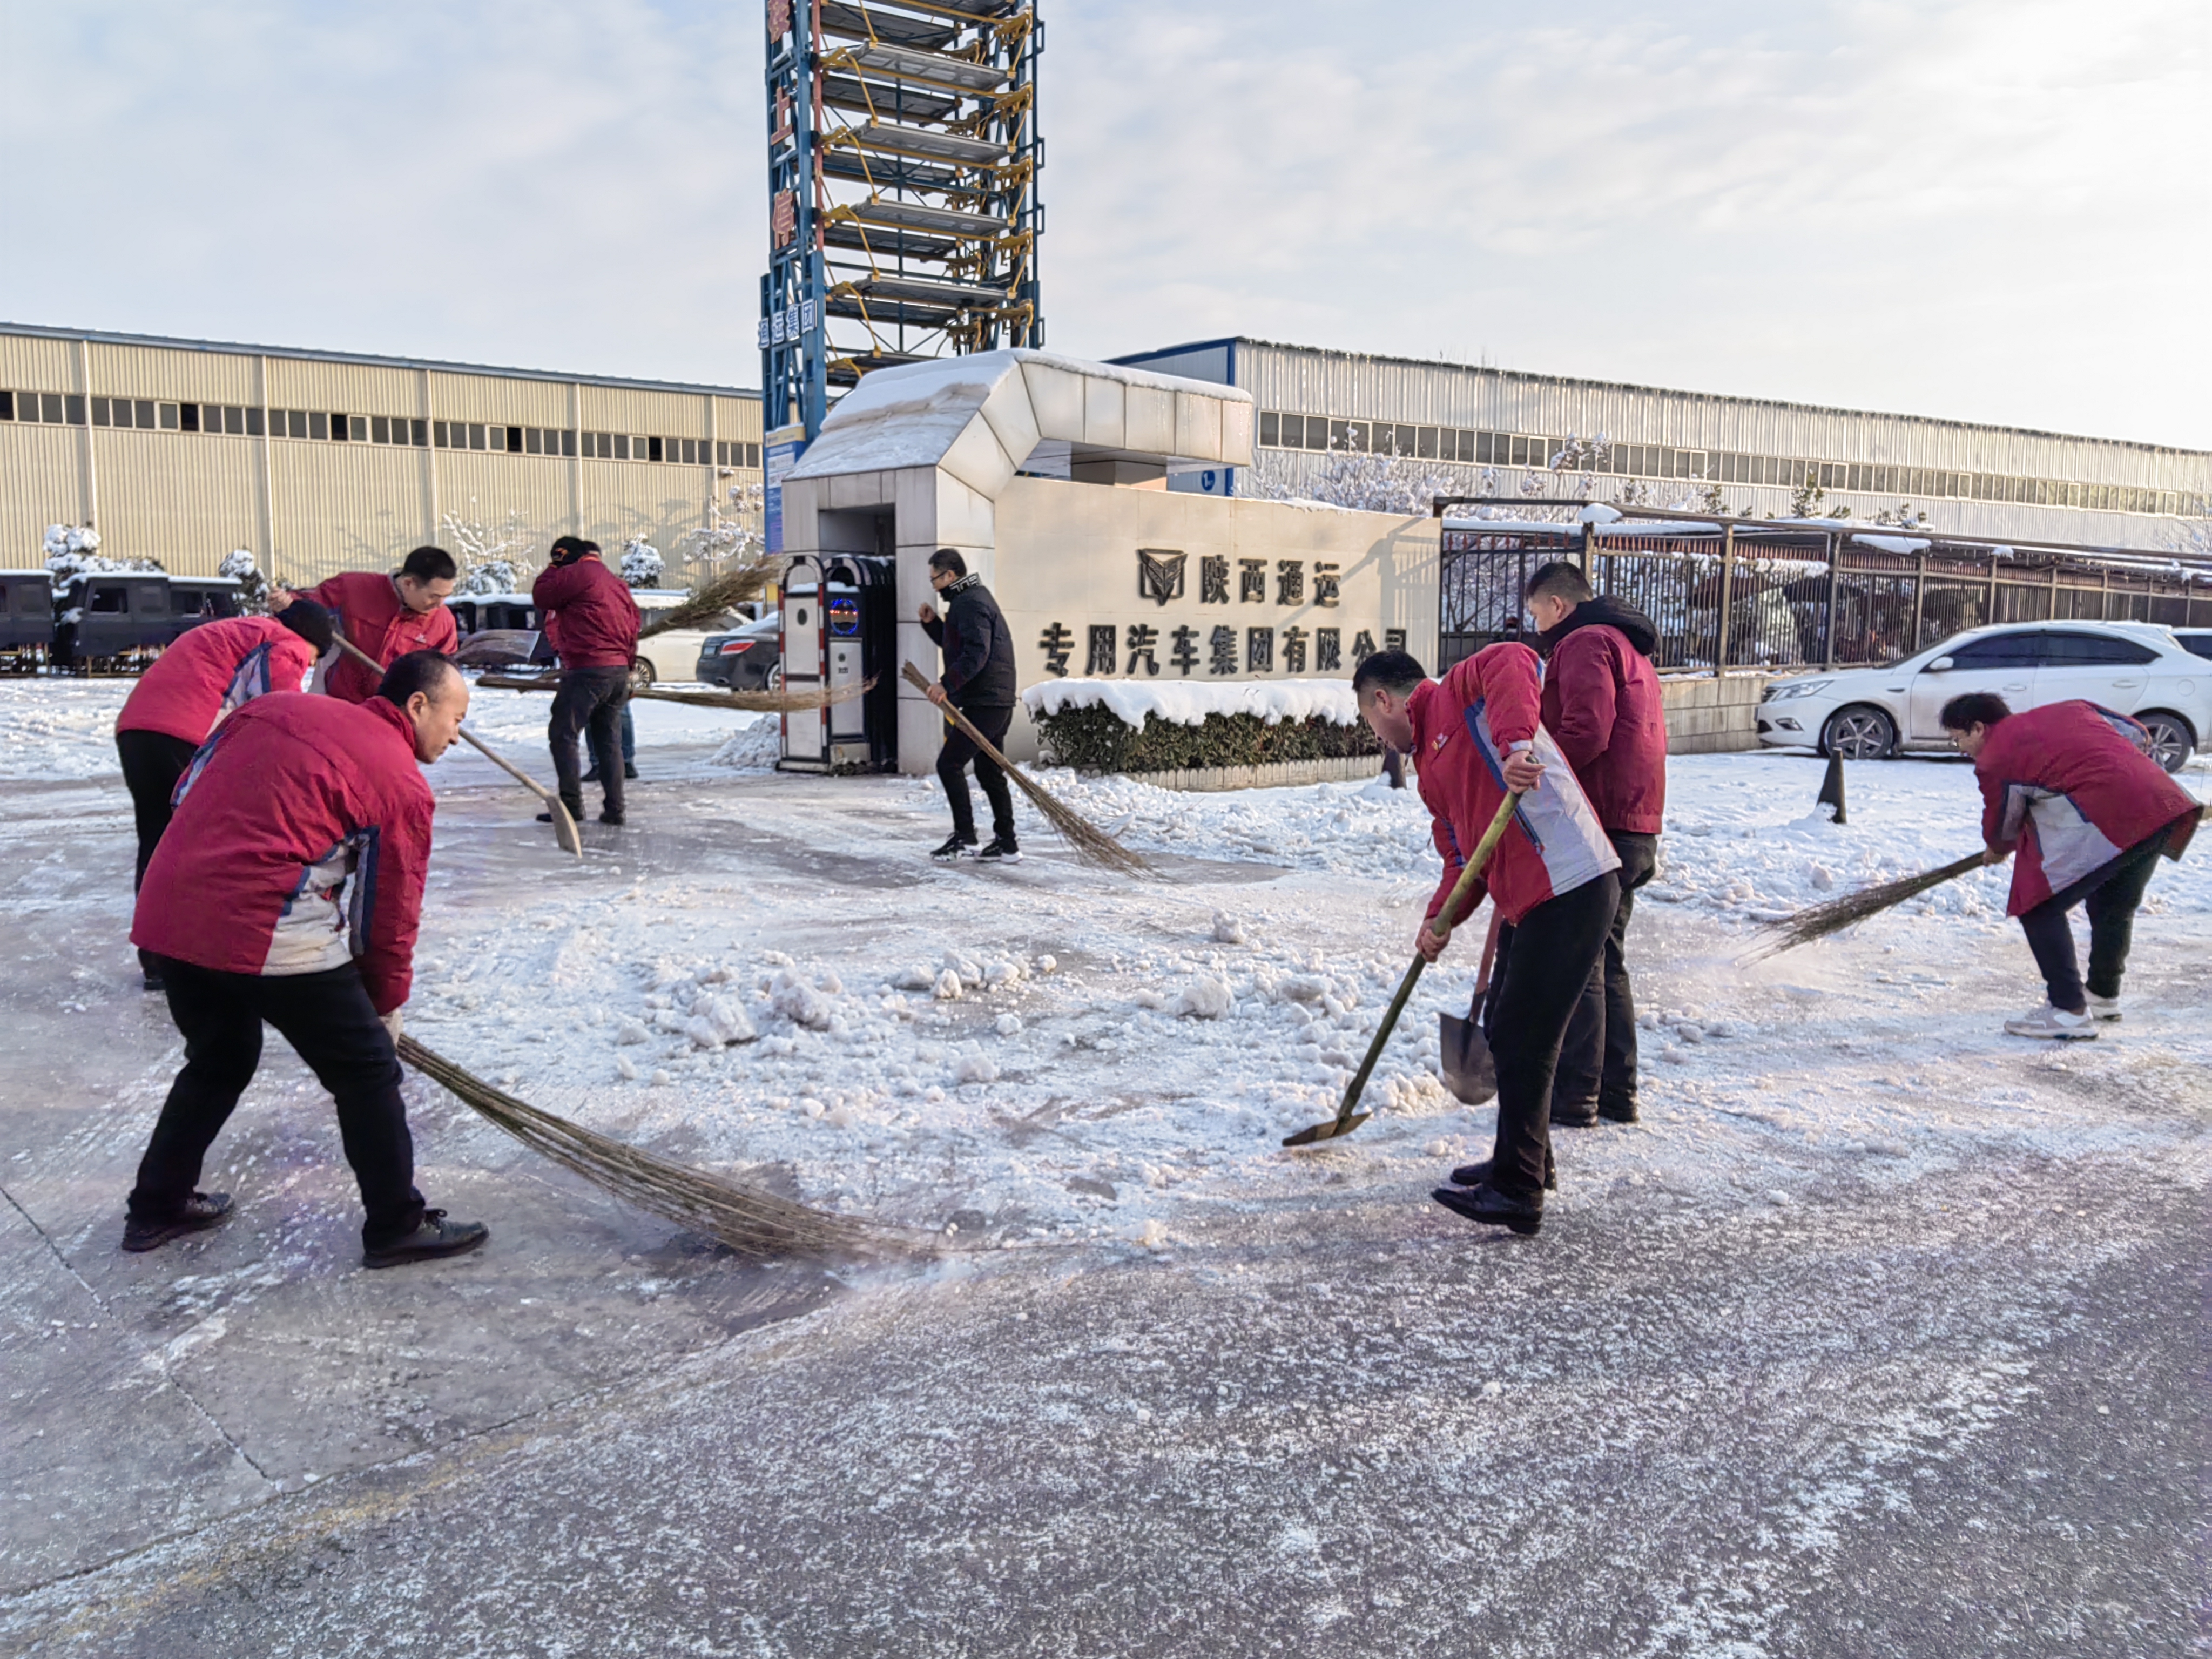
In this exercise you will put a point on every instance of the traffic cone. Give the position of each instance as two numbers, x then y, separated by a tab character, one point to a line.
1832	787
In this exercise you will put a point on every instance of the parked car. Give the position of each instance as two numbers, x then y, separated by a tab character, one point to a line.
1872	714
26	620
664	657
673	655
745	659
2197	641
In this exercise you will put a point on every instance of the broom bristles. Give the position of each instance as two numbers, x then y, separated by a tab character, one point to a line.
1820	920
749	1219
1091	842
708	601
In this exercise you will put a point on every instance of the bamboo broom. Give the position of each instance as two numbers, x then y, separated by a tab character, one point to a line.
565	824
749	1219
1090	843
1838	914
708	601
758	702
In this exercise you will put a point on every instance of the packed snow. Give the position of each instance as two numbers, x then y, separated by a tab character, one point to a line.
767	971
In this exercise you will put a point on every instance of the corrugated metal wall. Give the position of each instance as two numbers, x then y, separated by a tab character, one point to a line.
310	506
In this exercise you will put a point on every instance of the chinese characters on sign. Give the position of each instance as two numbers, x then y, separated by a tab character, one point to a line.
1137	647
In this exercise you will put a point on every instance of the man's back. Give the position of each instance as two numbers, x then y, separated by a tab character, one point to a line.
211	670
1602	703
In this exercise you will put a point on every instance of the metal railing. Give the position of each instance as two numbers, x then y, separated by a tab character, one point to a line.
1739	595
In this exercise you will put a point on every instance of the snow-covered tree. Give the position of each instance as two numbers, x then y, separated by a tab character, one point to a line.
1807	500
253	587
1904	515
73	550
494	558
2192	538
641	563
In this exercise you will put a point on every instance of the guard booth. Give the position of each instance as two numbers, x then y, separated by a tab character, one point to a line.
839	631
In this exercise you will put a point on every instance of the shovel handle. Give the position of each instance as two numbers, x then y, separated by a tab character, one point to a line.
1440	925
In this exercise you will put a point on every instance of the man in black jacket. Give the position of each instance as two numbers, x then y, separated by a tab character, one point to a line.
979	681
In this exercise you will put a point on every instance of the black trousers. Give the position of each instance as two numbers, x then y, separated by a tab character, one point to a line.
1597	1059
2111	893
952	763
593	700
328	1019
1534	992
152	763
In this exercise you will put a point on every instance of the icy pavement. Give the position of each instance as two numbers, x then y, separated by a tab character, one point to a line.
1880	1334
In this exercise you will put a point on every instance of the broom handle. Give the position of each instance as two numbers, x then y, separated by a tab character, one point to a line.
919	681
565	824
1440	925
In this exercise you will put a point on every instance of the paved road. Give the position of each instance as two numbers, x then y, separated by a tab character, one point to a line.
1960	1414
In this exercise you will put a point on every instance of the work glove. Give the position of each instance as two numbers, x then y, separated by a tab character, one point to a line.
394	1026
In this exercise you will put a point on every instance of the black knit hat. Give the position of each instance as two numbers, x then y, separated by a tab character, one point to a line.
309	620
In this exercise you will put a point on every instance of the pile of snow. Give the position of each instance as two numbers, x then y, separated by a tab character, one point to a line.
1187	702
753	747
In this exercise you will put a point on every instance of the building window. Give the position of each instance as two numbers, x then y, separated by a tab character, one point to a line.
653	449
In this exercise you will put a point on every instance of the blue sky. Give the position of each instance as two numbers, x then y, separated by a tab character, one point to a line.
1995	209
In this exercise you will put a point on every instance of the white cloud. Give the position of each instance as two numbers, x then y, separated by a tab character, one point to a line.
1993	208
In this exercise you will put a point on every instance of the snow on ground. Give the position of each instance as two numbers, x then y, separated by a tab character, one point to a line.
768	971
63	729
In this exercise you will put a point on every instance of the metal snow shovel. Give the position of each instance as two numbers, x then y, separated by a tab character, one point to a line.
1462	1046
1346	1120
564	826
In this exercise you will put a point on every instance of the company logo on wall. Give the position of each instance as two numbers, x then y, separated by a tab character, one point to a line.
1160	573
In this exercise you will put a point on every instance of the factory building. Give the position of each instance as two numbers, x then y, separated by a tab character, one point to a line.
1479	431
183	451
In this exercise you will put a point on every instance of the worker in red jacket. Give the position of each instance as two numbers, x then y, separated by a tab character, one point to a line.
1601	703
209	672
2072	789
387	616
593	623
1472	736
288	889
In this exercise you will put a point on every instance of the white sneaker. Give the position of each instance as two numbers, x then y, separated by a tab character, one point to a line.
2103	1007
2054	1023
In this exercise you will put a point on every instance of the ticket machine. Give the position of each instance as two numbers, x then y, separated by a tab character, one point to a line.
839	631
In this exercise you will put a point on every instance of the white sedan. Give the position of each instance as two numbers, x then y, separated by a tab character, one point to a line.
1871	714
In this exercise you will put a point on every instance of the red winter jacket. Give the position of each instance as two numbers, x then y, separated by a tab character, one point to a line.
300	841
1464	726
2069	786
371	613
212	671
1601	701
589	615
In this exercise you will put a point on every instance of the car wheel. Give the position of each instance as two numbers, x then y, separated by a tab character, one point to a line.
1859	733
775	678
2172	742
641	675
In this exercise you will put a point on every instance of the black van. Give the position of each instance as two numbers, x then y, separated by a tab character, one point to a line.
118	621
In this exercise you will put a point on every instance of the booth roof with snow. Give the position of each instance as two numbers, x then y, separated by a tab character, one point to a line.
1013	458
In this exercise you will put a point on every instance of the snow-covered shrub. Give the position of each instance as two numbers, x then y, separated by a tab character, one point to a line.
1096	739
493	558
253	587
641	563
73	550
492	576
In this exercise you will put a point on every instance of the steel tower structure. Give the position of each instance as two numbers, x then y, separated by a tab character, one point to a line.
903	215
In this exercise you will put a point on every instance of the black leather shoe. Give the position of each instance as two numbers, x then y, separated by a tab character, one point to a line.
1584	1119
1476	1175
1493	1208
436	1236
614	819
629	772
200	1211
1617	1112
592	776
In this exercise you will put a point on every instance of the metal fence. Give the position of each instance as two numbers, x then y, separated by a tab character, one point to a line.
1748	598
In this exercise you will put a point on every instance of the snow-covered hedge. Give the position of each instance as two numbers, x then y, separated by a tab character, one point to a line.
1138	726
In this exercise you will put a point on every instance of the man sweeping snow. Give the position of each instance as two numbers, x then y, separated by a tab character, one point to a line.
212	671
2072	788
386	617
1601	703
979	681
1474	735
288	889
593	621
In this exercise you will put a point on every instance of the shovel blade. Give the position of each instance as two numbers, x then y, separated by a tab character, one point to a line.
1329	1131
1463	1057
